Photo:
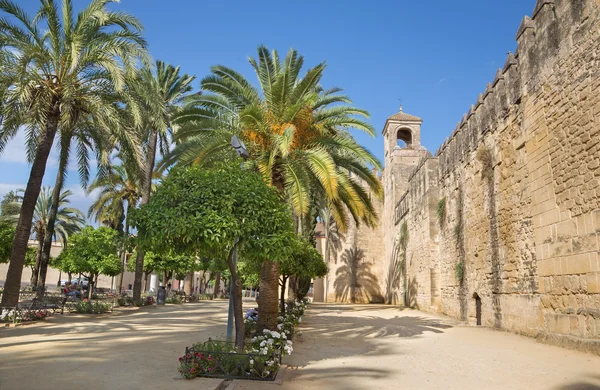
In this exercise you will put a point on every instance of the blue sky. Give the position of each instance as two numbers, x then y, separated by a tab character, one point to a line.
436	56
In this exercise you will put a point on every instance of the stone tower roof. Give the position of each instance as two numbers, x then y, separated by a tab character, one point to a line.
402	116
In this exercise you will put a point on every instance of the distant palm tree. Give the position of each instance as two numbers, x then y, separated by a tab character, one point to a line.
68	221
160	91
297	138
57	70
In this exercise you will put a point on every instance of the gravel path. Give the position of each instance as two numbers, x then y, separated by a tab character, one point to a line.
135	349
382	347
341	347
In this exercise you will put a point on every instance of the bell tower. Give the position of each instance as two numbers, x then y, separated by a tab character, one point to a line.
402	133
403	151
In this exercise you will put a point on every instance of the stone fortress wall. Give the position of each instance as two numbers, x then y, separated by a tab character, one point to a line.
503	222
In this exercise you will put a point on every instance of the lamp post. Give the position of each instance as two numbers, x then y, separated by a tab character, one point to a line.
242	152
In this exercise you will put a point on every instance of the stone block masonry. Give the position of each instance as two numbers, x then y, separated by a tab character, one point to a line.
503	222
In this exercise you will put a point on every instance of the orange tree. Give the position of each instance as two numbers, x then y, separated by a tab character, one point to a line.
212	212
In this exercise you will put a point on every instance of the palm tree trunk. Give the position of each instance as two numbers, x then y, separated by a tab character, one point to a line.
124	254
10	297
146	192
326	255
35	271
55	203
268	297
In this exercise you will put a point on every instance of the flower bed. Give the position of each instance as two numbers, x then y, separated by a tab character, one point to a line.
259	361
15	316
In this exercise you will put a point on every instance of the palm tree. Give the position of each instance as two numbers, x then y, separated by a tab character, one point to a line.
160	93
119	194
68	221
297	137
56	69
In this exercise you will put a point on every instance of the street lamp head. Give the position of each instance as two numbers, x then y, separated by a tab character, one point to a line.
239	147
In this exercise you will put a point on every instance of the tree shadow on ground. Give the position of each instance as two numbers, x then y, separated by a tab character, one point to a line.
354	281
361	333
581	385
132	350
338	377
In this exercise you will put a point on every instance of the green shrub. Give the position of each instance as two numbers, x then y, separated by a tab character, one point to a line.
174	299
125	300
86	307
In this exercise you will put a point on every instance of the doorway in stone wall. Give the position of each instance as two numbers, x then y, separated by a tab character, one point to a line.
477	308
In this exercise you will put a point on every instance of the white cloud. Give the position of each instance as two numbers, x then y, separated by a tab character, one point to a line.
16	152
5	188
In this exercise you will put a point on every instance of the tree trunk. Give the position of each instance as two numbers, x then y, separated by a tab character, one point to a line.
90	286
293	291
146	192
188	284
35	271
268	297
12	286
60	177
238	316
284	280
217	284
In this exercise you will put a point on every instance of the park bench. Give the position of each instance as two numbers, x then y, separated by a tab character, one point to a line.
54	302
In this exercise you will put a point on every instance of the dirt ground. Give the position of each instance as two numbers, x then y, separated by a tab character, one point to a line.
137	349
341	347
381	347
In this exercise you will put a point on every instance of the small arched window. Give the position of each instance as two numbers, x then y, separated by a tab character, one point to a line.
404	138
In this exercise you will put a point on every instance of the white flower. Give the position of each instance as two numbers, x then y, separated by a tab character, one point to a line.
262	343
280	326
251	362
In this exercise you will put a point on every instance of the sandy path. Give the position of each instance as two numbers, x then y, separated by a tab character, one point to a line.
137	349
378	347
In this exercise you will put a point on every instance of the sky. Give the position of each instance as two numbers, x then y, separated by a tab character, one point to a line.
433	57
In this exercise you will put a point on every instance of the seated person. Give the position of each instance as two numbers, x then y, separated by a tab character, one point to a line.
252	314
67	288
74	291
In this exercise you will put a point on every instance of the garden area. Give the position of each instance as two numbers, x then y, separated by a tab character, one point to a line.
229	180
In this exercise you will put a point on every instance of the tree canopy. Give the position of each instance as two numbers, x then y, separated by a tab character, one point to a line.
92	252
205	210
